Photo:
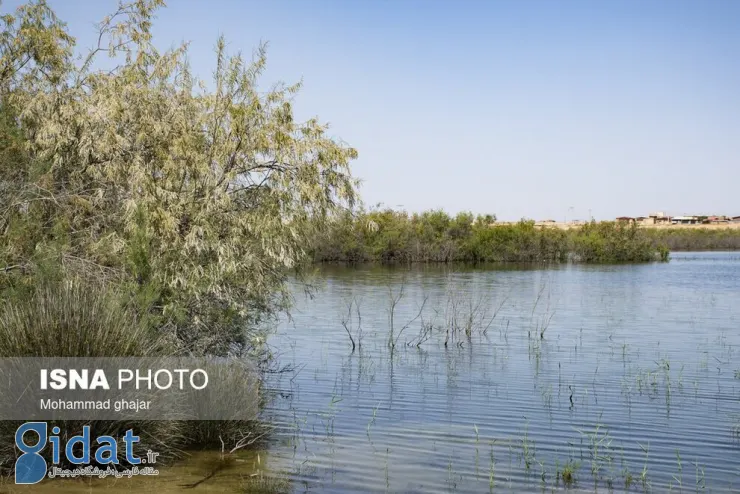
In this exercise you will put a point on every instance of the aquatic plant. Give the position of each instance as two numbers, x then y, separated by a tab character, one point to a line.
528	453
372	419
540	322
465	315
491	469
393	300
679	479
600	449
426	328
628	478
568	472
700	482
644	473
613	242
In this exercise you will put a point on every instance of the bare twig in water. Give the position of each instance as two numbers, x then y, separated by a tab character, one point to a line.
425	332
227	458
394	300
347	324
418	315
495	313
540	325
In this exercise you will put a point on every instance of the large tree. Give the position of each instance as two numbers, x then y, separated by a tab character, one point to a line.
199	196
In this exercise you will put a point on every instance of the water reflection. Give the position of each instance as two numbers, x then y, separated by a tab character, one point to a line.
630	386
199	471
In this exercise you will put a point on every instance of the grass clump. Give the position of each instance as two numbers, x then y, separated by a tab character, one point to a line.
628	480
66	317
568	473
70	319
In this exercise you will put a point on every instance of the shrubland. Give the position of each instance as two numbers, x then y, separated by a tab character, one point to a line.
434	236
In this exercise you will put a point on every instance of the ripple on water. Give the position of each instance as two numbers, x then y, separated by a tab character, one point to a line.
635	365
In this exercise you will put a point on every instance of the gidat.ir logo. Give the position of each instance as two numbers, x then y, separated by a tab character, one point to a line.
31	467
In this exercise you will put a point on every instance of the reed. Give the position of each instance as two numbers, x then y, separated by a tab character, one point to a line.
69	318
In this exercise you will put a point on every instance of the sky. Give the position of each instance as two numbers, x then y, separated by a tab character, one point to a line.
521	108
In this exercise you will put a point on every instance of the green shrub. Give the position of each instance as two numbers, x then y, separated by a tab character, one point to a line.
434	236
695	239
70	319
612	242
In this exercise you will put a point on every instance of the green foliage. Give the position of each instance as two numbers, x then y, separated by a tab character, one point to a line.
664	252
35	49
696	239
70	318
196	201
73	318
612	242
66	318
434	236
516	243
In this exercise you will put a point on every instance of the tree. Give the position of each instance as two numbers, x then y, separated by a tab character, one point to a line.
35	51
198	198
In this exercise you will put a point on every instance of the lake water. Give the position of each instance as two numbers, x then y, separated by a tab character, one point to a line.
633	385
609	378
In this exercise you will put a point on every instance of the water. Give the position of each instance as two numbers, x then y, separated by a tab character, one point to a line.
632	382
194	474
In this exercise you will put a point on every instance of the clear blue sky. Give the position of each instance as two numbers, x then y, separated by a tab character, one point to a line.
519	108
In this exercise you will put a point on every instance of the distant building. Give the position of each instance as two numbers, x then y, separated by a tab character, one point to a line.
625	219
685	220
645	220
735	219
660	218
717	219
548	224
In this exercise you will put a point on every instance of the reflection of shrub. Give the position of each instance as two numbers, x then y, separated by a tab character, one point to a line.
69	319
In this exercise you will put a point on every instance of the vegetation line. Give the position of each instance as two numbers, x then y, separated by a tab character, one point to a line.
434	236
